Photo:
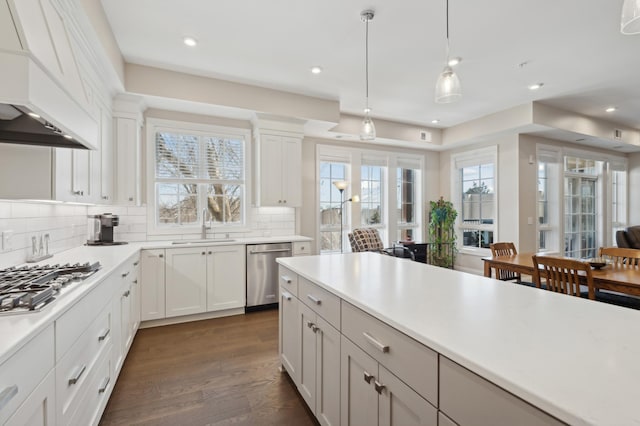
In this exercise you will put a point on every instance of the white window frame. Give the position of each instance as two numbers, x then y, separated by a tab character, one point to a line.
354	158
472	158
552	156
154	125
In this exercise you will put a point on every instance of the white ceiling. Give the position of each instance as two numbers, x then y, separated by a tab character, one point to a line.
573	46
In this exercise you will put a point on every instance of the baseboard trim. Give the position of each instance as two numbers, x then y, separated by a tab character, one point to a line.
189	318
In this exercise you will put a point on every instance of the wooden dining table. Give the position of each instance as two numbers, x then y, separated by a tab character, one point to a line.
622	279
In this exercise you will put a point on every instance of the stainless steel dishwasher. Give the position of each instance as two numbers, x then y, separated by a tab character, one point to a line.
262	273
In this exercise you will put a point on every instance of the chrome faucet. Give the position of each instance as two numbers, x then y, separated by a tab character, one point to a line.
203	235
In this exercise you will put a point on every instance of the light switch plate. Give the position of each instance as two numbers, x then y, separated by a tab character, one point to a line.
6	240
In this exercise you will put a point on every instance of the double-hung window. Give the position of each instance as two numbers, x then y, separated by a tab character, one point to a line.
475	178
548	199
198	173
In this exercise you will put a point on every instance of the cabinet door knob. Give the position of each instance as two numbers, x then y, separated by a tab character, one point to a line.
105	197
379	386
126	293
368	377
204	252
130	198
315	328
136	263
104	335
210	252
161	255
125	274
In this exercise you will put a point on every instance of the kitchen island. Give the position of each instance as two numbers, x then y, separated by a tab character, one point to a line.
553	357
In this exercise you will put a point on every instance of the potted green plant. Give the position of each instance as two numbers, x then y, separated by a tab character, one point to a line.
442	245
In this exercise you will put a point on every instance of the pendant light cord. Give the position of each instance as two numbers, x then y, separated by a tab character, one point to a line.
447	14
366	60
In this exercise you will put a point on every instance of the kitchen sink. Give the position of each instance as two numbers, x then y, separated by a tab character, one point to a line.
207	241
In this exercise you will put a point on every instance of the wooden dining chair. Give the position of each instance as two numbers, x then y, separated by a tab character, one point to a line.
620	256
562	275
505	249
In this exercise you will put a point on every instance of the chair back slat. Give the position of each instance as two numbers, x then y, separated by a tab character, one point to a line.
562	275
505	249
620	256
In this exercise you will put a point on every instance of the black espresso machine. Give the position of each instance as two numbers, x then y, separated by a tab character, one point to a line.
100	230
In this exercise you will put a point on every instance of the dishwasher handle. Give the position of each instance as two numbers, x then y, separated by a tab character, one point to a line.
270	251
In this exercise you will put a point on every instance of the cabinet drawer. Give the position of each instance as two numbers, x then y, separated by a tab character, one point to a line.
21	373
74	322
301	248
320	300
74	371
412	362
96	393
469	399
288	280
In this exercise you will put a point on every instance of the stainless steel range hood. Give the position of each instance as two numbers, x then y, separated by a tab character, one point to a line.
20	125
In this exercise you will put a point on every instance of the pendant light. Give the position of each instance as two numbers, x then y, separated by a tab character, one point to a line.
630	23
368	131
448	85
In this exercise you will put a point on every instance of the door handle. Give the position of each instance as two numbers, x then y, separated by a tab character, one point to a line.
381	346
314	299
368	377
269	251
7	395
74	379
104	335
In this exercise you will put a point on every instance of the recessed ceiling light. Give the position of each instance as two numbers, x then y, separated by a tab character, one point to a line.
536	86
435	121
454	61
190	41
611	109
34	115
68	136
316	70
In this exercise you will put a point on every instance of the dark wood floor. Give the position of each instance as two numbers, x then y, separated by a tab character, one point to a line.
214	372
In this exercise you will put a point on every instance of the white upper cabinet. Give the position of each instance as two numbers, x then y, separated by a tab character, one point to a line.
127	127
278	163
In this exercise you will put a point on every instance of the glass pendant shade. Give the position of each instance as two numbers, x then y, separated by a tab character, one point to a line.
368	131
448	87
630	23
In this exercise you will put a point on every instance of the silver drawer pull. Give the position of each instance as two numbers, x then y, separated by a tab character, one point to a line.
270	251
383	348
104	335
286	295
105	383
286	279
379	386
74	379
125	274
7	395
368	377
314	299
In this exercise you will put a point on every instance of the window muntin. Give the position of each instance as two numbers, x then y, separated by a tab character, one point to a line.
371	183
618	202
331	205
580	217
194	172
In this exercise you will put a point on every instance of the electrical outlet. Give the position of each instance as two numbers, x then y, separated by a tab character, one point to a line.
7	236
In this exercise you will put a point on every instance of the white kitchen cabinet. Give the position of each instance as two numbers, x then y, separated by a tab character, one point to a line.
126	310
39	407
186	281
374	396
301	248
104	175
152	284
289	334
127	127
278	170
319	378
20	378
226	277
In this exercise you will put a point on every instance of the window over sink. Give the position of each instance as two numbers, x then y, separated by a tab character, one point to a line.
198	170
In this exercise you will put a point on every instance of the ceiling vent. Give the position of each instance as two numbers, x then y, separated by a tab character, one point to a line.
617	134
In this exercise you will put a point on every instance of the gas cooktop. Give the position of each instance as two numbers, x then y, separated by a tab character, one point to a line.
30	288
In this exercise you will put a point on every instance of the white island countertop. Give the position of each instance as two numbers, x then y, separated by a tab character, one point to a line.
576	359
